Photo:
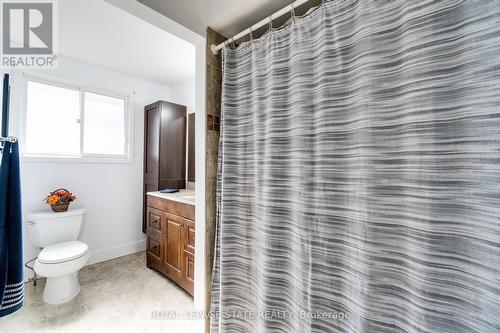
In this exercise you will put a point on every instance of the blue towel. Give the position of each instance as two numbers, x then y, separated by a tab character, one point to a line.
11	242
169	190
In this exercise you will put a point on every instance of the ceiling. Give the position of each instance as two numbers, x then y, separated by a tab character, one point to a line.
228	17
236	16
101	34
192	14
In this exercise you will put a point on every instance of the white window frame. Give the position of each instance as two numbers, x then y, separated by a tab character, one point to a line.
82	157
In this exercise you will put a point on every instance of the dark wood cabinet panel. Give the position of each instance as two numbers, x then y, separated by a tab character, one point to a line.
173	146
191	147
164	148
150	185
151	141
171	243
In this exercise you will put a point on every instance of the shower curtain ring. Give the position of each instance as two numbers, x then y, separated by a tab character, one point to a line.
270	22
250	34
292	11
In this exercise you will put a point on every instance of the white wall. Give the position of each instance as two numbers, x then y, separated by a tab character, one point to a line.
184	93
112	193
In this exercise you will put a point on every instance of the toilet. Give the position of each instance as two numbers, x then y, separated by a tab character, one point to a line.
62	255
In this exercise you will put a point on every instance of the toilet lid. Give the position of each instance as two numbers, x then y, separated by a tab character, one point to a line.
62	252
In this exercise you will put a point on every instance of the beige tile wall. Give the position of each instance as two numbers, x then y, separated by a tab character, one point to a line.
213	107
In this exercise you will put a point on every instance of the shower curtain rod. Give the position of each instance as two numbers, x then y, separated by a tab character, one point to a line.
215	48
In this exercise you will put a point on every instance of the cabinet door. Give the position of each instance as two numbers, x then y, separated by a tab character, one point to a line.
173	246
172	146
188	243
188	236
188	282
151	141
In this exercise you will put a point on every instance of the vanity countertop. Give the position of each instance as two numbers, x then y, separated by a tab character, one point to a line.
183	196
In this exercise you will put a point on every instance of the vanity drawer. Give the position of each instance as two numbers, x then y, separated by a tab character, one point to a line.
154	253
154	247
154	218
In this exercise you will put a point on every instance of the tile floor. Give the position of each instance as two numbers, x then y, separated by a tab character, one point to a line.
119	295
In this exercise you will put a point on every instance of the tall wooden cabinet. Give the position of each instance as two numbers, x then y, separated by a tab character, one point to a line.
164	149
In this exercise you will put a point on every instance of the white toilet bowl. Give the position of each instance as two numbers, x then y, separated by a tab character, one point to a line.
60	264
62	255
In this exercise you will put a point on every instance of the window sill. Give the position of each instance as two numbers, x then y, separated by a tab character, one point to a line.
76	159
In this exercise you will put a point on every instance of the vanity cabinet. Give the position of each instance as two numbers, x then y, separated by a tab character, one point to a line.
170	239
164	148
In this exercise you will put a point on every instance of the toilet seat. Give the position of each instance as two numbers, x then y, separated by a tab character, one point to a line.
63	252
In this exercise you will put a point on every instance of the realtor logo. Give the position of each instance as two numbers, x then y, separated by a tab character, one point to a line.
28	33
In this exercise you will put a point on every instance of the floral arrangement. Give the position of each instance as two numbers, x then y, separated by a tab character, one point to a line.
60	199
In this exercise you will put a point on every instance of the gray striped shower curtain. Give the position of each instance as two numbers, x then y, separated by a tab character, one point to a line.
359	174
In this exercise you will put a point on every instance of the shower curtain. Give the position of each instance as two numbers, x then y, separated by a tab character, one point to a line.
359	173
11	243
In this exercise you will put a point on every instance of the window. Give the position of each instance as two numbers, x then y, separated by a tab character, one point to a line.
72	122
104	127
52	120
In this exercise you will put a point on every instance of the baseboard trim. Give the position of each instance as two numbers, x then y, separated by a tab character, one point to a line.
116	251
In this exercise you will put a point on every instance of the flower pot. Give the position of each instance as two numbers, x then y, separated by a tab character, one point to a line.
60	207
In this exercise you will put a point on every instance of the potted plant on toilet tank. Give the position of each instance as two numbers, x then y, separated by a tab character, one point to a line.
60	199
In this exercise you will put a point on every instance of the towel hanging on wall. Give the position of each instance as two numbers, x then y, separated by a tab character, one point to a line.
11	262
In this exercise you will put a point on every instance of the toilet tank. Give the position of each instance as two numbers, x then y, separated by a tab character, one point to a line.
47	228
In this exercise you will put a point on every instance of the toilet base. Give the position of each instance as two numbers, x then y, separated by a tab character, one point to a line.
61	289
